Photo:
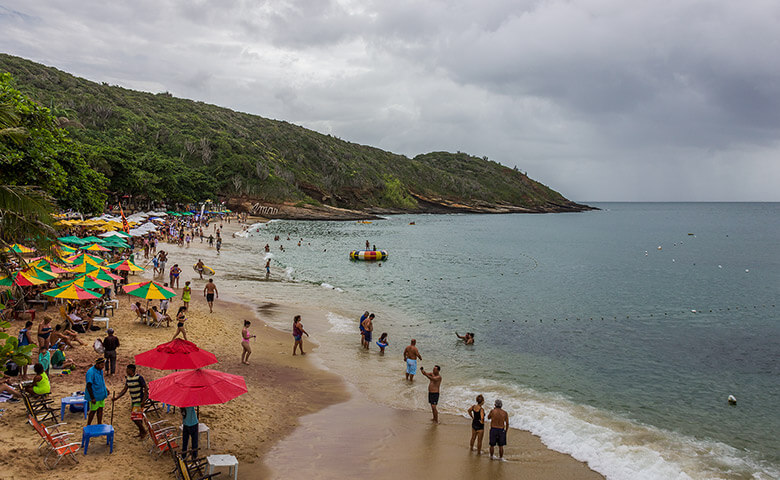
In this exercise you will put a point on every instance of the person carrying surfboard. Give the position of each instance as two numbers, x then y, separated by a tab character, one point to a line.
199	268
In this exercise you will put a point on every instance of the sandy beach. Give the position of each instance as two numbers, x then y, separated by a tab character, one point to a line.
296	421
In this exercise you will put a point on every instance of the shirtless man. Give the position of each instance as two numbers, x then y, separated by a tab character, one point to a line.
368	327
499	424
411	355
433	390
468	338
209	291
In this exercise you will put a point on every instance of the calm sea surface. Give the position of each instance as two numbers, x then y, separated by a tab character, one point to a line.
615	335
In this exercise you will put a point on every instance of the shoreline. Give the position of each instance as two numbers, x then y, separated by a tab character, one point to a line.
547	463
289	398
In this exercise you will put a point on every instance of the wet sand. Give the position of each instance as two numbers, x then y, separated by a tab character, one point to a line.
361	439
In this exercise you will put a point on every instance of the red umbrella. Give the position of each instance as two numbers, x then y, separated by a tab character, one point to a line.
175	355
193	388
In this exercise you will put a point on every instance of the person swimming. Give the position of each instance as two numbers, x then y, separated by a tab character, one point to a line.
468	338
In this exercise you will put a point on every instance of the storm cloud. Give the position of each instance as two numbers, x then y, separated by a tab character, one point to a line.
599	99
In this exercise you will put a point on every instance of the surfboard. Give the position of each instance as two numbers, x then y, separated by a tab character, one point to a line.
206	269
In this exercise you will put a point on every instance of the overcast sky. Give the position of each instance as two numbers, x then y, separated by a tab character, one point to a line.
599	99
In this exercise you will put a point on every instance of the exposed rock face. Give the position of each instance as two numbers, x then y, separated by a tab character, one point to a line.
290	211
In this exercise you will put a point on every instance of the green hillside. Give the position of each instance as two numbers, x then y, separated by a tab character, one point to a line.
157	147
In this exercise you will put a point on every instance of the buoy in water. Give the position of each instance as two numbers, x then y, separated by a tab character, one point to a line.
659	247
732	400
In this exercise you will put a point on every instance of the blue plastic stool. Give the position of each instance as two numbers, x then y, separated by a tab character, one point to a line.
96	431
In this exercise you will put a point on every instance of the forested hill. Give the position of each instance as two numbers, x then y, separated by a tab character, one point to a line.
158	147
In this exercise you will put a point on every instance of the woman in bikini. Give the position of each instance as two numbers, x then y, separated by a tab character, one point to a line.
181	317
477	414
44	332
245	336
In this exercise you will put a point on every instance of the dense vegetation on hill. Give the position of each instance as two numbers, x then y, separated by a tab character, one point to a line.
159	147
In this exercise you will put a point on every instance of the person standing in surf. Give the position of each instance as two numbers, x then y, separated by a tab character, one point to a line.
245	336
411	355
297	333
434	387
477	414
499	425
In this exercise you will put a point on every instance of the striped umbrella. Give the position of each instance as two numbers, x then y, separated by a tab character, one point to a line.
19	278
125	265
47	265
84	258
18	248
88	282
149	290
40	273
96	248
73	292
103	274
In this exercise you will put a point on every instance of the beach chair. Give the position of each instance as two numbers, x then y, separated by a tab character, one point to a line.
157	318
164	438
192	470
140	316
55	442
39	407
151	406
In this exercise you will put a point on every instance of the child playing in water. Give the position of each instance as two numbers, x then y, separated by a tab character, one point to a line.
382	343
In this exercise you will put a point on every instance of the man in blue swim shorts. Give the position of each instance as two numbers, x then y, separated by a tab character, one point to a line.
411	355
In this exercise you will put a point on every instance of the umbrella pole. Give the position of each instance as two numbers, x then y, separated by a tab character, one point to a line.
112	412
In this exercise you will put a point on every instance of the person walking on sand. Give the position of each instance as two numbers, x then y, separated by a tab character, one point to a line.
368	328
433	390
139	392
477	414
96	392
209	291
411	355
175	272
245	336
499	424
297	333
181	317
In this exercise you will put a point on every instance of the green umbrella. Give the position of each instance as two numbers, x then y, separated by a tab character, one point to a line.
97	240
73	240
87	282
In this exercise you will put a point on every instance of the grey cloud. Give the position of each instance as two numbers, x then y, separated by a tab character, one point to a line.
598	99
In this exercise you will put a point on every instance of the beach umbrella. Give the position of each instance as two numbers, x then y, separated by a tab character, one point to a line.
66	249
87	282
92	240
40	273
84	258
86	268
125	265
18	248
71	239
117	233
46	264
178	354
72	292
193	388
95	248
149	290
115	242
103	274
20	279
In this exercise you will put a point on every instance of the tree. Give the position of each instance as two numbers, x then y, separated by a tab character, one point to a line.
34	151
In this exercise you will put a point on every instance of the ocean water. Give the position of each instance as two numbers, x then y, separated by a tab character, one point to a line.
615	335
